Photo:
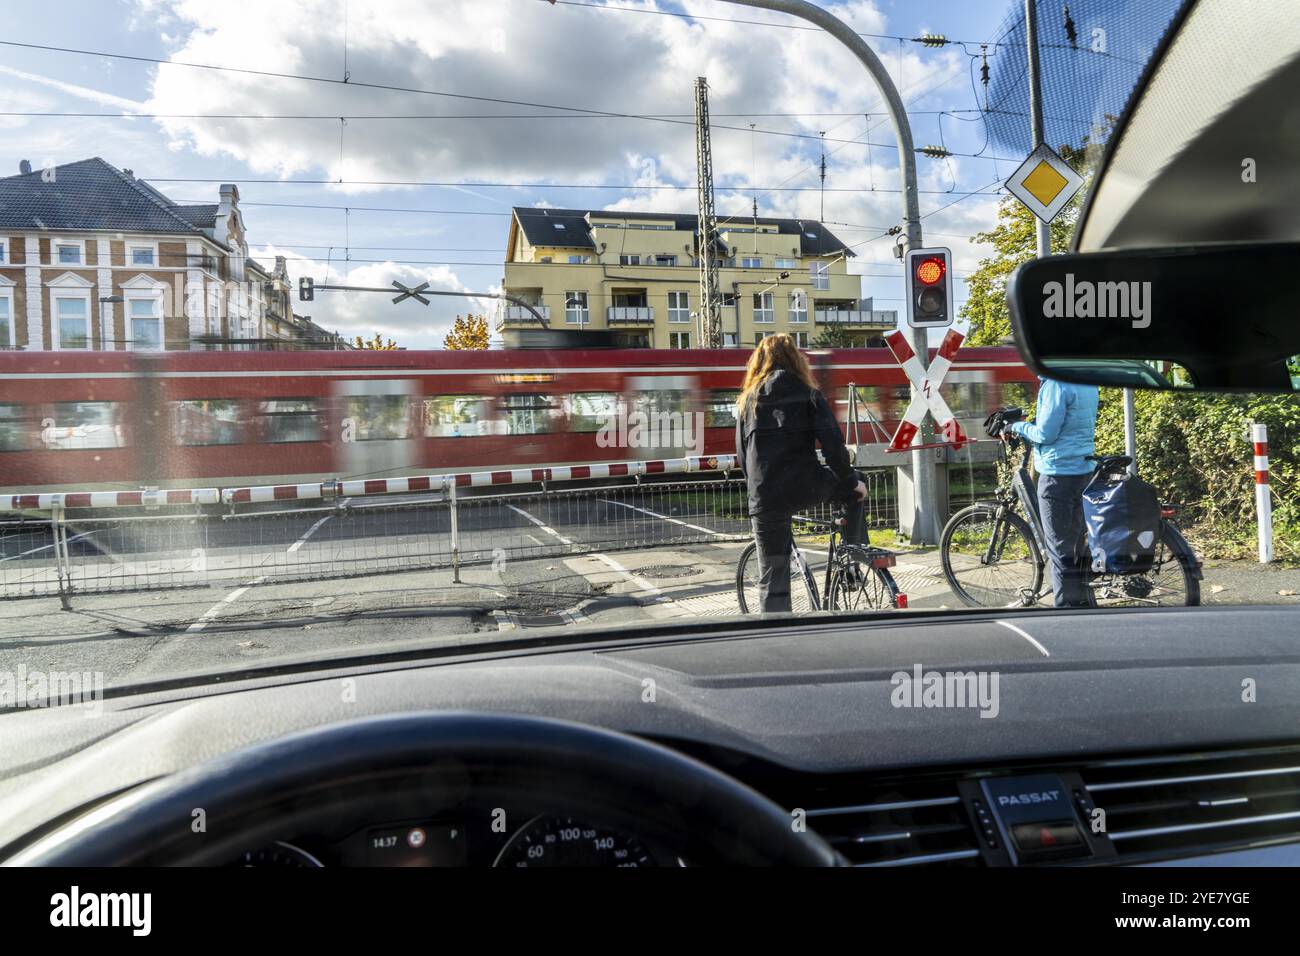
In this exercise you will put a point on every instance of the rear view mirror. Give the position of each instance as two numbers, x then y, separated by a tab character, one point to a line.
1217	318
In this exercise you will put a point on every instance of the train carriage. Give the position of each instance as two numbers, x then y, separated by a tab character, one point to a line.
123	420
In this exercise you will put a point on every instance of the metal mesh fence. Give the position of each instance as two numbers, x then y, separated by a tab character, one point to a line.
71	553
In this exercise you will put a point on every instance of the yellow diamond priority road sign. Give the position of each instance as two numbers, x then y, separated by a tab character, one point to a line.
1045	183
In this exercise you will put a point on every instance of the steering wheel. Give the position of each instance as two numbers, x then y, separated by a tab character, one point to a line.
253	796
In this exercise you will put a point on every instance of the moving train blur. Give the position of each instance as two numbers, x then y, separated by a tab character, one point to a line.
125	420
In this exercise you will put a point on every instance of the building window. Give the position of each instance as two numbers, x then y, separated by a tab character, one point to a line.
68	253
4	251
145	316
679	307
759	336
7	336
821	274
800	339
71	325
785	263
751	263
729	340
575	308
764	307
798	306
629	260
579	260
665	260
141	255
679	340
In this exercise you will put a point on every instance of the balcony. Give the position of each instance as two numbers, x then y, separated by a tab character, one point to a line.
518	315
630	315
858	318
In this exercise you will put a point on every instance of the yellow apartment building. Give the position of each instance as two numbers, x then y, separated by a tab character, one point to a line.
638	274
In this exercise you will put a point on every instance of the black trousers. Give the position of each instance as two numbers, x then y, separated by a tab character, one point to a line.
774	541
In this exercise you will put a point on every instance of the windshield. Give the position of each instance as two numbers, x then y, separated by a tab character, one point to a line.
330	330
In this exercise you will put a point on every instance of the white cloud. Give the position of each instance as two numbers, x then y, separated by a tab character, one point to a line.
408	323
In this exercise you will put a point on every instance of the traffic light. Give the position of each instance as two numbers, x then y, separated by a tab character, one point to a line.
929	288
306	289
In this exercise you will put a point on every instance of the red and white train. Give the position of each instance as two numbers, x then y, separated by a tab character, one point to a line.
126	420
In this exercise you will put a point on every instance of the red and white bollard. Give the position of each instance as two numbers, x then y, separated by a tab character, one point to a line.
1263	499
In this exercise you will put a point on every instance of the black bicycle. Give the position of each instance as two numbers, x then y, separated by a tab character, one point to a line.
856	578
993	557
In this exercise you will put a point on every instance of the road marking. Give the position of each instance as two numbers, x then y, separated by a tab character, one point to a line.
639	581
541	524
216	609
1026	635
310	531
655	514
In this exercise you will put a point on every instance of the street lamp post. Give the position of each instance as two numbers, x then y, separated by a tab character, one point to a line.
925	522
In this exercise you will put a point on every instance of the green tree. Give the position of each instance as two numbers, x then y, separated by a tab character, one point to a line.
468	332
833	338
376	344
1015	240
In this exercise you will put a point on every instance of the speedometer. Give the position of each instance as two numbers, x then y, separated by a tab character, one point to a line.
564	841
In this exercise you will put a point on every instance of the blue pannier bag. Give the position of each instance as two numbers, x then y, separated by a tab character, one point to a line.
1122	514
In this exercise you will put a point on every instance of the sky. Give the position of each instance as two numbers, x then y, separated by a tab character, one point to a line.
417	183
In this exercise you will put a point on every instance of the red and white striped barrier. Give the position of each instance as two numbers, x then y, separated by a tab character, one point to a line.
475	479
1263	497
110	499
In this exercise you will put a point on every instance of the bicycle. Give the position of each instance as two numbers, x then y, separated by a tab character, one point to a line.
857	575
993	557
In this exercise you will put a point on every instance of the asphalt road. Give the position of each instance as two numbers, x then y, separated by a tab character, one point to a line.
268	589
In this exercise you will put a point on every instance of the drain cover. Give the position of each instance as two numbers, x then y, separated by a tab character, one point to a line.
664	571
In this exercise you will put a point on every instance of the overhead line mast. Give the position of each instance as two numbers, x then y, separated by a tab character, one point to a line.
710	310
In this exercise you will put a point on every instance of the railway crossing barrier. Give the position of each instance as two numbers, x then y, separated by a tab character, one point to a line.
63	544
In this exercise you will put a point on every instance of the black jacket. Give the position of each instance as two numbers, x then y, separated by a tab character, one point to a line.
776	442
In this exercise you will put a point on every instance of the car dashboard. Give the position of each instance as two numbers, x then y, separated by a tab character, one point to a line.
1151	740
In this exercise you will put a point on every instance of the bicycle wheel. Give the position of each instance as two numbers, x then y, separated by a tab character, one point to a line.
1171	582
801	599
991	561
858	586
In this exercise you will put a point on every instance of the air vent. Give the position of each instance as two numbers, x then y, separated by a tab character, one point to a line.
924	825
1175	807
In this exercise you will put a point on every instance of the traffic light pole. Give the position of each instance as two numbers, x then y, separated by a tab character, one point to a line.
926	518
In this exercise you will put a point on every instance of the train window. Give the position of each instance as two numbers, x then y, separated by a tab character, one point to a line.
206	421
284	420
377	417
456	416
721	412
530	414
661	400
591	411
79	425
966	399
18	427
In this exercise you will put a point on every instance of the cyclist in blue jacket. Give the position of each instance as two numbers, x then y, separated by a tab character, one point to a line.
1063	438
